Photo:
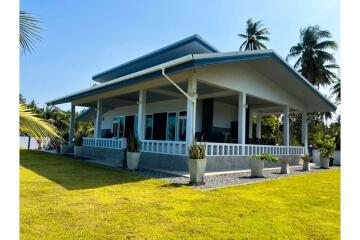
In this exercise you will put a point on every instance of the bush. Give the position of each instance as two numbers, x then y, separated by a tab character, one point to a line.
327	146
197	150
78	140
265	156
133	144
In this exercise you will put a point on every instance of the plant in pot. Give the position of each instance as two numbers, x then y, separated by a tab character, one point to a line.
78	146
197	162
257	163
306	162
326	147
133	152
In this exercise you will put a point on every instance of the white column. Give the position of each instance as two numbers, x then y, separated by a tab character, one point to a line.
258	126
251	114
304	131
241	117
142	114
97	131
72	123
191	110
286	126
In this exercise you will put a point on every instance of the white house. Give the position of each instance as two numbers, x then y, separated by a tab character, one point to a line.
188	89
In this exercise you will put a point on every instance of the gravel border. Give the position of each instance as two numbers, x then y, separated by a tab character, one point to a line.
225	180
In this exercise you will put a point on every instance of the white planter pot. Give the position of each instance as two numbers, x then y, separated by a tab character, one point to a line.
132	159
77	151
197	170
306	165
257	168
324	162
66	148
285	168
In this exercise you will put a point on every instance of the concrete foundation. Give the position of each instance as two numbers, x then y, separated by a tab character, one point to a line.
114	156
214	163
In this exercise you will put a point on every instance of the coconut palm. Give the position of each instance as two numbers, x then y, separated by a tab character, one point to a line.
30	123
314	61
336	90
255	35
29	31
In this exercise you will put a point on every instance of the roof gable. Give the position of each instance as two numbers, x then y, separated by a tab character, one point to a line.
191	45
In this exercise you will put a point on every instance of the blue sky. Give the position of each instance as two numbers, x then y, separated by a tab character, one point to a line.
82	38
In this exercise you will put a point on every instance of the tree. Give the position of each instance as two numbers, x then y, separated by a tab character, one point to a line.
255	35
314	61
30	122
29	31
336	91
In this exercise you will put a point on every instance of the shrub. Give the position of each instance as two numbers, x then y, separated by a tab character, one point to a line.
327	145
265	156
78	140
133	143
197	150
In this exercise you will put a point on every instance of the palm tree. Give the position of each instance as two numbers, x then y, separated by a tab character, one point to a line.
314	62
255	34
30	123
336	90
29	31
36	127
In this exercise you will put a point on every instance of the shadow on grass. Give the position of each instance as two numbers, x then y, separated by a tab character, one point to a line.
73	174
175	185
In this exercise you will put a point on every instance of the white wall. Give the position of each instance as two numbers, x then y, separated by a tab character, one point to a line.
224	114
156	107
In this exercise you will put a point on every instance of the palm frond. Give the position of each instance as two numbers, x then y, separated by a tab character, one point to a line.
36	127
29	31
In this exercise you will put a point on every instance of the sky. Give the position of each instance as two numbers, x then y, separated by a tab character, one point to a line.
84	37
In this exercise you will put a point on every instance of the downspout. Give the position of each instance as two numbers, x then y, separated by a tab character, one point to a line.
186	95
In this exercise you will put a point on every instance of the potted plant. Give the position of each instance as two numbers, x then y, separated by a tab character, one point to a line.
197	163
326	147
133	152
257	163
306	162
78	146
66	148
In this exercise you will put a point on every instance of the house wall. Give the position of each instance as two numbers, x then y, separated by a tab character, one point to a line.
241	77
224	114
155	107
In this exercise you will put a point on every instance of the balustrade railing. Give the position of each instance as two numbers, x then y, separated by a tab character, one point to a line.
114	143
164	147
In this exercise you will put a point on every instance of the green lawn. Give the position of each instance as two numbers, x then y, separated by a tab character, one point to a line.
61	198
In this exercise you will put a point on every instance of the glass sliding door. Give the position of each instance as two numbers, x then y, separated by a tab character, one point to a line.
121	126
171	127
182	126
149	127
115	129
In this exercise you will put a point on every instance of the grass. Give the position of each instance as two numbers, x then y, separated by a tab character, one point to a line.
61	198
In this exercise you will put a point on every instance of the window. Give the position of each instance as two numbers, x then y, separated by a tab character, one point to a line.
171	127
182	126
136	126
148	127
121	126
115	129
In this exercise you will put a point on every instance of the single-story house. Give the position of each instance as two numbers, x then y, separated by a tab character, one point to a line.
191	89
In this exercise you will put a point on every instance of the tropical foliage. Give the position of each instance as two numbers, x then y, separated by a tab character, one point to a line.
313	60
266	157
197	150
133	143
29	31
327	145
32	125
255	36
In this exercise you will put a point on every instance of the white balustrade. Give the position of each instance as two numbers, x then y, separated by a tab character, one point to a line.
164	147
212	149
114	143
231	149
